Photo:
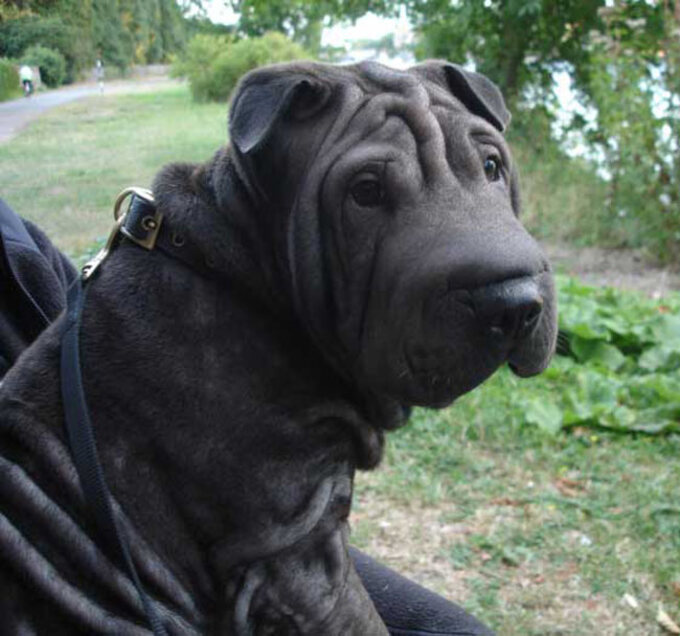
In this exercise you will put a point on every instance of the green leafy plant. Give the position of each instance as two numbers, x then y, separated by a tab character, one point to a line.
619	364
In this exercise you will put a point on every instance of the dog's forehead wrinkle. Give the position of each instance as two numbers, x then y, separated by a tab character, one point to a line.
396	81
352	102
392	89
418	119
371	112
464	134
369	115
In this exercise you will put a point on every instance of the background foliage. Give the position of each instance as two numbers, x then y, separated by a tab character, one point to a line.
214	63
9	80
121	32
634	84
52	64
619	366
622	57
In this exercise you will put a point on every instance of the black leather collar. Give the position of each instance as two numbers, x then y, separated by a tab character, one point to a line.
143	225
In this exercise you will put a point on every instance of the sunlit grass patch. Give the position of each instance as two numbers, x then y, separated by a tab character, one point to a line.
64	171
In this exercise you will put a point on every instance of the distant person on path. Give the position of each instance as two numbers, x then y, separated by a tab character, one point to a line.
26	77
99	74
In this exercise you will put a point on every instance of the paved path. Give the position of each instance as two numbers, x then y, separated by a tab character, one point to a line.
16	114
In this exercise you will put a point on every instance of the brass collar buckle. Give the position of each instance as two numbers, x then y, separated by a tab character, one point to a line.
141	231
150	224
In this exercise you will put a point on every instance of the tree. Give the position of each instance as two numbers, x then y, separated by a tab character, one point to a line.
302	20
634	83
155	28
62	25
121	31
514	42
114	44
172	27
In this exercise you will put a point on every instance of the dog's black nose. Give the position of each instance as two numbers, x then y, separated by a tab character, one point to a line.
510	309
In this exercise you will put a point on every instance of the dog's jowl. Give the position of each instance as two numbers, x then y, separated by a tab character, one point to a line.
361	252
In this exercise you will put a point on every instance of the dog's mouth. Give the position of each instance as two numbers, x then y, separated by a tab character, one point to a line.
436	375
524	372
439	375
527	362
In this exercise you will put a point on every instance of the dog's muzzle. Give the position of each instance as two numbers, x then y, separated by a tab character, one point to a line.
508	311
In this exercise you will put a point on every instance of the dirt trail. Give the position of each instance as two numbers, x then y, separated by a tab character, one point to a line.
623	268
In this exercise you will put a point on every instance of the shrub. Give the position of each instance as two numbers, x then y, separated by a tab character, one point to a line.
196	62
64	33
214	64
9	80
52	64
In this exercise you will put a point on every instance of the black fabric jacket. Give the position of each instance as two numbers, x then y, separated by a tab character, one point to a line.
34	277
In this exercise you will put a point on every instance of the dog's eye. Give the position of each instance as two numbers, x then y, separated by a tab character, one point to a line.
492	168
367	192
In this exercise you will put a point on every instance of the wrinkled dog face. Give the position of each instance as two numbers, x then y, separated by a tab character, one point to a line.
399	211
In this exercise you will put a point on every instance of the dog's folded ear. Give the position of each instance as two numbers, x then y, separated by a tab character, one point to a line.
265	97
476	91
479	94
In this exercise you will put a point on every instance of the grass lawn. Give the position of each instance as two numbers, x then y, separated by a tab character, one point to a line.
535	533
64	171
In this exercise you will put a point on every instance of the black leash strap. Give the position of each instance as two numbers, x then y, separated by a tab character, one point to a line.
84	449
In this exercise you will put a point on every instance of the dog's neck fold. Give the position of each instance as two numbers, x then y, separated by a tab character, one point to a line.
246	234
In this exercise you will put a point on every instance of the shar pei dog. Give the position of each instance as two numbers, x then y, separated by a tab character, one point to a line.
360	253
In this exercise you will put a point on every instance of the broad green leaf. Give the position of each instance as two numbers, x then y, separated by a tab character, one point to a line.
598	388
591	331
655	358
665	387
598	352
544	414
623	416
579	409
666	330
623	367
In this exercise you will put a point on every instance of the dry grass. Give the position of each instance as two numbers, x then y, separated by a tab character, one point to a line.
526	544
